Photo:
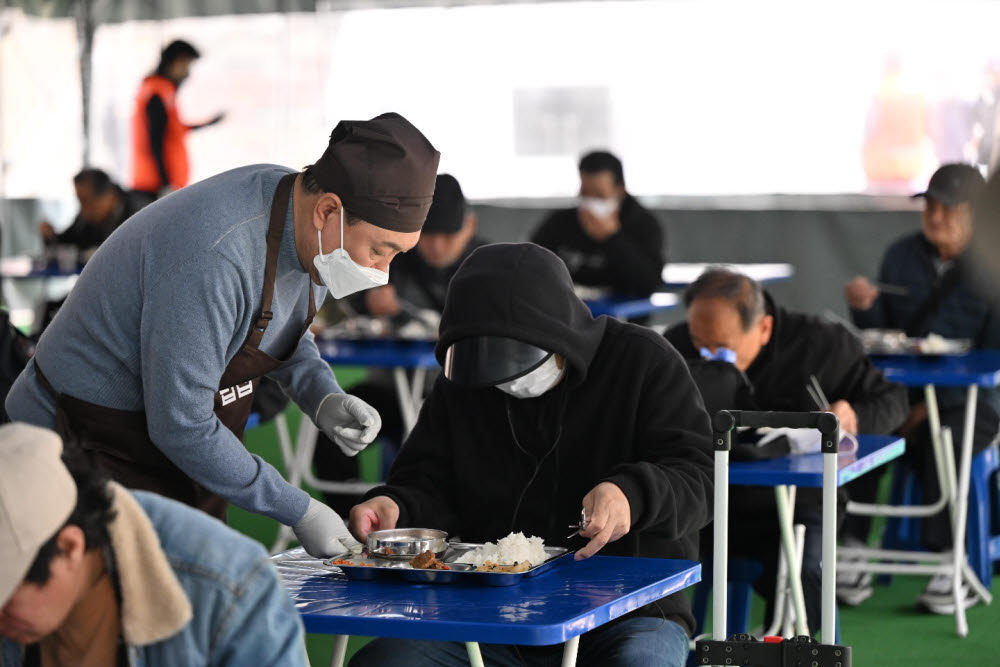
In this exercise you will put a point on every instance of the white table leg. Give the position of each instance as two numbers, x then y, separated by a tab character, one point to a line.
475	656
961	510
339	651
785	512
570	651
404	395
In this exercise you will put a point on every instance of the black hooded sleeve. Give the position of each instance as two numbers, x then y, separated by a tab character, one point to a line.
422	477
669	485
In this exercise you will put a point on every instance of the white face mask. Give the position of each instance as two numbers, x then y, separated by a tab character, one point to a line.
535	383
341	274
602	208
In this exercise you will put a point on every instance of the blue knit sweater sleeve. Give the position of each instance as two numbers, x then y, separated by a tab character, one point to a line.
189	317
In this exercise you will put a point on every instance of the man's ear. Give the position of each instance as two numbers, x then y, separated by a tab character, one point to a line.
766	325
471	222
326	211
72	545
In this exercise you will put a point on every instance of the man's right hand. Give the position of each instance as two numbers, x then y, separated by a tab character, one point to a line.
322	532
379	513
382	301
860	293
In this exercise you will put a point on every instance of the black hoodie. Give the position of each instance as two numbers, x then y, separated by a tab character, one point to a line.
626	412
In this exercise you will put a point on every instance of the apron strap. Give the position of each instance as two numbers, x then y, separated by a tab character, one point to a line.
275	230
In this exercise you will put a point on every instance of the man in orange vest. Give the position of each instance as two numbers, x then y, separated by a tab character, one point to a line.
160	160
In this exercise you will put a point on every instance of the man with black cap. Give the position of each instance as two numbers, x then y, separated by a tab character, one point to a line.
608	240
153	361
416	290
543	409
928	286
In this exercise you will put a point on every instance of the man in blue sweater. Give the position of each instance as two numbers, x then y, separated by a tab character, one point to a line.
152	362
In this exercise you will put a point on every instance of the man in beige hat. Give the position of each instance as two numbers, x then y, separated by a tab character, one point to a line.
153	361
94	575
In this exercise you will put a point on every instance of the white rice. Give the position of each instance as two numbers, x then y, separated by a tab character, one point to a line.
515	548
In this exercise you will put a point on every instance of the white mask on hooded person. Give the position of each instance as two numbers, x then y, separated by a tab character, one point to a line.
535	383
341	274
602	208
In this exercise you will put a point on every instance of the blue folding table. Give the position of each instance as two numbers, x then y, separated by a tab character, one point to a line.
624	308
555	607
806	470
972	370
681	274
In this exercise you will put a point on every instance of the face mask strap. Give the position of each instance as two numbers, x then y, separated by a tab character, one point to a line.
319	236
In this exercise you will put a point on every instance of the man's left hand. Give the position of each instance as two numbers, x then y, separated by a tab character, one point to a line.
597	228
348	421
845	413
610	518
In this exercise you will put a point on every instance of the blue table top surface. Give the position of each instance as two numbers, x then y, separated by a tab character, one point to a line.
807	469
976	367
385	352
626	308
570	599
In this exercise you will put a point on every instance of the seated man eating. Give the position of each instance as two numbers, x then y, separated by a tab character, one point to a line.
543	409
781	353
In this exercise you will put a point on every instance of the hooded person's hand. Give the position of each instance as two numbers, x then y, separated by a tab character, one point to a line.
378	513
609	518
322	532
348	421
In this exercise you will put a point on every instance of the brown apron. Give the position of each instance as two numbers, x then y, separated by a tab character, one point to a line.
119	441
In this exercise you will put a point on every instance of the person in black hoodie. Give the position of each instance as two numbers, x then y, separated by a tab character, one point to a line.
542	409
609	240
732	318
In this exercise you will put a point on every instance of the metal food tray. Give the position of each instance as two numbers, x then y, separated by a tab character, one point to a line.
888	343
380	569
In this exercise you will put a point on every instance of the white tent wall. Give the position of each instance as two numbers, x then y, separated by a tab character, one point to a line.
706	99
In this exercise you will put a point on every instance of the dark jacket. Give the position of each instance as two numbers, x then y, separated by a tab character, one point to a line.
629	262
626	412
802	345
85	235
963	313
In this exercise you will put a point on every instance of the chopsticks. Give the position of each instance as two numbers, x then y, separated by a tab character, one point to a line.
897	290
815	392
582	526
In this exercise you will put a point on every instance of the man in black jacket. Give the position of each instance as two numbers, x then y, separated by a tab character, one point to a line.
779	350
934	289
609	240
104	206
543	409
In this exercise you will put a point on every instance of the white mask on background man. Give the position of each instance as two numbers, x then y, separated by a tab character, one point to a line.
602	208
535	383
341	274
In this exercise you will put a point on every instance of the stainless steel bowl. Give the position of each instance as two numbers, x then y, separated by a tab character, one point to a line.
405	543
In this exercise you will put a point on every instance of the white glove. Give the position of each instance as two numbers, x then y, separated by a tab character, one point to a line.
348	421
322	532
